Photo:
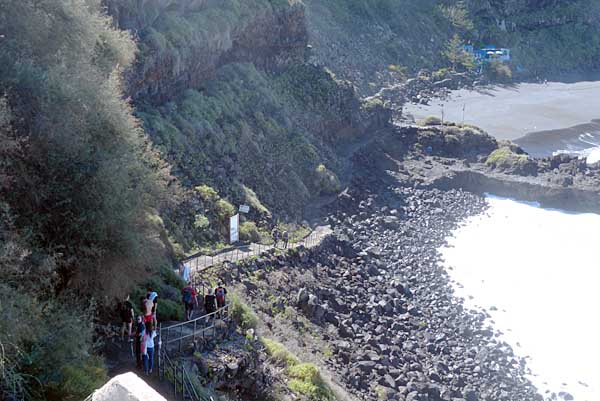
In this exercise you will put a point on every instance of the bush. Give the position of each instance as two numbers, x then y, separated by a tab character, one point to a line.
207	193
249	232
201	222
224	209
498	71
242	314
169	310
505	159
431	120
279	353
80	379
170	277
306	380
304	377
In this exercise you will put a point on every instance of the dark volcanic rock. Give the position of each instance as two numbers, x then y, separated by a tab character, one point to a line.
401	329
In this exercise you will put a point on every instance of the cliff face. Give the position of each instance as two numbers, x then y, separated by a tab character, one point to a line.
184	42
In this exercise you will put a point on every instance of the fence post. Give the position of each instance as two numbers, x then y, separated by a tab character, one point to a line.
160	373
182	381
195	321
180	335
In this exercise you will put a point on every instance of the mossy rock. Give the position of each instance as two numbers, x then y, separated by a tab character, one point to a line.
506	160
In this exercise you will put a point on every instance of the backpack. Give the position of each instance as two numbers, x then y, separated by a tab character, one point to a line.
187	295
220	294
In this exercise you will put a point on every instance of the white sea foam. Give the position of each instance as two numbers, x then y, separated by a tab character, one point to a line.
540	269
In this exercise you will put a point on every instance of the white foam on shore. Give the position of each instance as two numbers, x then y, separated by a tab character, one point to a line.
540	269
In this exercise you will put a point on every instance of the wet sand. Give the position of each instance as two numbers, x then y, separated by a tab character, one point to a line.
513	112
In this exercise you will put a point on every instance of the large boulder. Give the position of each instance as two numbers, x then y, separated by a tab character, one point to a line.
126	387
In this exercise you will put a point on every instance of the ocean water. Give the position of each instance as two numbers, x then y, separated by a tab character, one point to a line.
586	145
540	269
581	140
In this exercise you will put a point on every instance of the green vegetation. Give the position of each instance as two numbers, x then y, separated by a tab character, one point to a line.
304	378
242	313
510	158
80	188
497	71
249	232
430	121
457	56
252	138
278	353
504	156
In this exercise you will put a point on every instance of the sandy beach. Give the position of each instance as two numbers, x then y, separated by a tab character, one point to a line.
513	112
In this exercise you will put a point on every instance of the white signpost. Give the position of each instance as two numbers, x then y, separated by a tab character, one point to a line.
244	208
234	232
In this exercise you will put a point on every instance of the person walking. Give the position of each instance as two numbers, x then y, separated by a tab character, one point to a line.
140	329
185	272
147	306
209	303
189	298
220	293
275	234
148	348
285	237
127	315
153	297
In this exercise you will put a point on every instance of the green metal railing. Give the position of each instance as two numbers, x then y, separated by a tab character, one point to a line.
175	372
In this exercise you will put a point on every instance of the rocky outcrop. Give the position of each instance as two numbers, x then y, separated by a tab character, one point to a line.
126	387
454	157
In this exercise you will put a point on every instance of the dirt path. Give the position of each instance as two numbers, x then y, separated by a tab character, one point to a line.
119	360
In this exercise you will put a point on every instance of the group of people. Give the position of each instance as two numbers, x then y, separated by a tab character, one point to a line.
145	329
280	236
144	332
212	301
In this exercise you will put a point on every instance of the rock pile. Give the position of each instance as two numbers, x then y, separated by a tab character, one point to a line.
387	308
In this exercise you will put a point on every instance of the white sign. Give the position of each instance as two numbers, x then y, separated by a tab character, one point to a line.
244	208
234	232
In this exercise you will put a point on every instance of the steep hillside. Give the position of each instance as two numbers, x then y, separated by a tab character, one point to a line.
360	39
547	36
225	92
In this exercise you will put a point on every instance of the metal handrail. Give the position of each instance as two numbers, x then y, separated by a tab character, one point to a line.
184	381
165	332
211	260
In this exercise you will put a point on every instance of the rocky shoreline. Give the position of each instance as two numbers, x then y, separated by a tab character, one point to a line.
376	293
381	301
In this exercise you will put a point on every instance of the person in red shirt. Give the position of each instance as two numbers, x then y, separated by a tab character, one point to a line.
189	298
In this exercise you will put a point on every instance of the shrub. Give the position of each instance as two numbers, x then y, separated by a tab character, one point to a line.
169	310
242	314
498	71
249	232
431	120
279	353
80	379
207	193
170	277
326	182
201	222
224	209
505	157
306	380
